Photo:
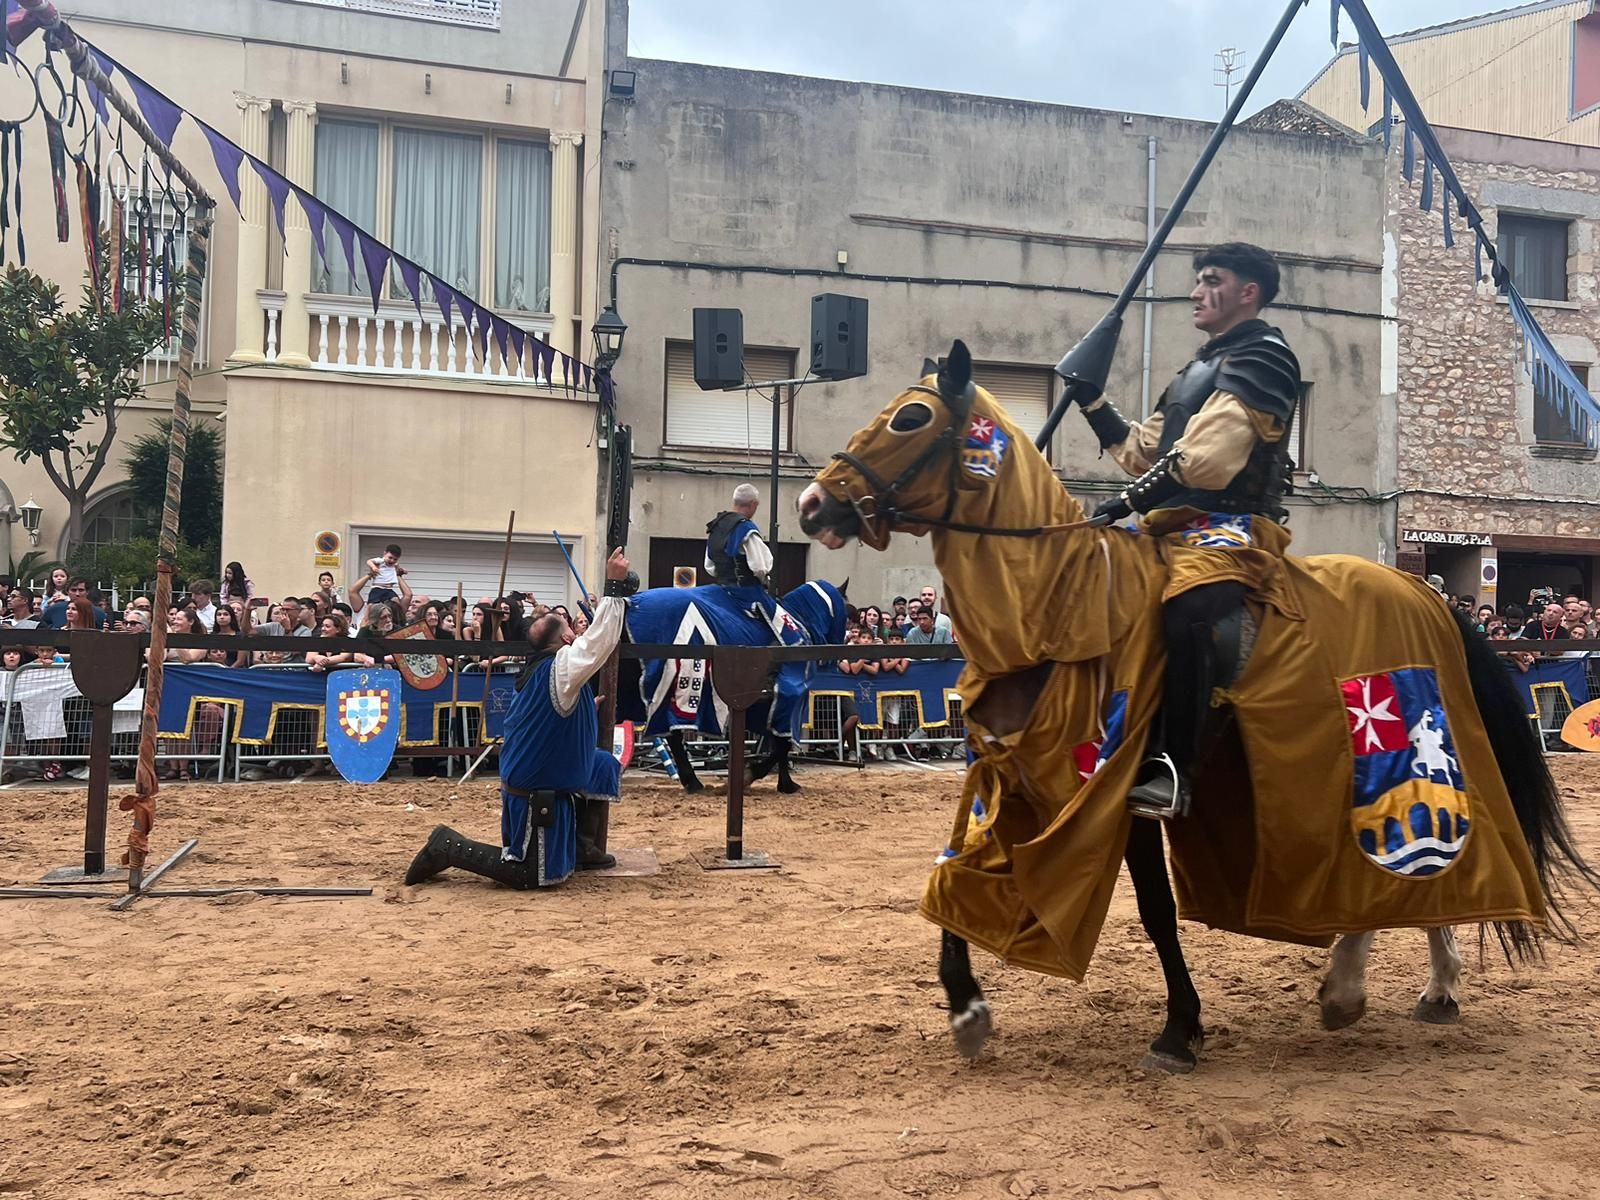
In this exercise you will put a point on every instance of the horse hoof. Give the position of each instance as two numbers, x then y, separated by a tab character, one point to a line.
1342	1016
972	1028
1437	1012
693	789
1168	1063
789	787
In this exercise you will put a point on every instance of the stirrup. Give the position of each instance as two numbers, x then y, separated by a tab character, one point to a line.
1164	798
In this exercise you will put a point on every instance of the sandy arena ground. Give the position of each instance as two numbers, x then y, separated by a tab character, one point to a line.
753	1035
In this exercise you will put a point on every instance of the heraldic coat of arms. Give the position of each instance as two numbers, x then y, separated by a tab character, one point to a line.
362	726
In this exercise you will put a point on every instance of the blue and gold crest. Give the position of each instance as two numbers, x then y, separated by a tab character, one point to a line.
1218	531
362	722
984	449
1410	814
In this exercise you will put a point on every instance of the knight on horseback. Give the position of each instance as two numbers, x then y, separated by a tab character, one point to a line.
1210	462
735	554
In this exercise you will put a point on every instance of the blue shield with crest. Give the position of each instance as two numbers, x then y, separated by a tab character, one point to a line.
362	721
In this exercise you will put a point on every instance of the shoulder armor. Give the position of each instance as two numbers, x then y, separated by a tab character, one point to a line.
1264	373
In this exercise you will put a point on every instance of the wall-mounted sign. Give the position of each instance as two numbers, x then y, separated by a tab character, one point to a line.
1445	537
327	549
1489	579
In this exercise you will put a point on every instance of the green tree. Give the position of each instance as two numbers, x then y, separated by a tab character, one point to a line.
133	564
65	376
200	510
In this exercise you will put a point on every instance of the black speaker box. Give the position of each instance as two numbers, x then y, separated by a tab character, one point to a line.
838	336
718	347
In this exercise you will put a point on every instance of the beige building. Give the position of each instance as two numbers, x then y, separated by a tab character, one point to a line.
1531	71
1010	225
462	133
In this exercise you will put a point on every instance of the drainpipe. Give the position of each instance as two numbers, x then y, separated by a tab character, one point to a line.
1149	278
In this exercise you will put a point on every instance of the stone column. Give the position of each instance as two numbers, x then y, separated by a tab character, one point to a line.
294	334
564	199
249	321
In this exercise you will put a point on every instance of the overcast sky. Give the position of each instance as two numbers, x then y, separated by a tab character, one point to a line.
1153	56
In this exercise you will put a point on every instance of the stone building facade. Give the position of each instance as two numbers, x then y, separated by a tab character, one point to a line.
1498	491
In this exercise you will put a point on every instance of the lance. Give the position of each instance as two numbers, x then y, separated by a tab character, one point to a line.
1087	365
583	592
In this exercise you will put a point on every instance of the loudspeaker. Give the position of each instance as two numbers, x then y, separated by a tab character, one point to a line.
718	347
838	336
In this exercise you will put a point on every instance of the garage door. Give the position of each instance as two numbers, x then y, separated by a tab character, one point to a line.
434	565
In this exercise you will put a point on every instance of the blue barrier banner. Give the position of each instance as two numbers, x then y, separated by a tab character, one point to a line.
256	695
1561	674
926	682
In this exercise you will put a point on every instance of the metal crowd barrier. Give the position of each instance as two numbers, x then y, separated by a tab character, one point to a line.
45	733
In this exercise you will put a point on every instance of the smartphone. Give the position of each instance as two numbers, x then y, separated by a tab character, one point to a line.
259	602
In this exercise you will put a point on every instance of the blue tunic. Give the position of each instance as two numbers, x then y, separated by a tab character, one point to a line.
544	750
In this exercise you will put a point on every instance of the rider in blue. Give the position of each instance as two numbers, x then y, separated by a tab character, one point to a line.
736	557
553	778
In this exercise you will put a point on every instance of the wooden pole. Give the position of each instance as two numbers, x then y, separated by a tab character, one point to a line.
505	567
142	803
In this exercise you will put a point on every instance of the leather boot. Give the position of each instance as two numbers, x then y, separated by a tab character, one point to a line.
591	857
446	848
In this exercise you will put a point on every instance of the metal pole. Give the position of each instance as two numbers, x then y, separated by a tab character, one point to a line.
1179	203
505	566
772	497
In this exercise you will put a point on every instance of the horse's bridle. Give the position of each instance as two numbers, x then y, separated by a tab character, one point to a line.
879	503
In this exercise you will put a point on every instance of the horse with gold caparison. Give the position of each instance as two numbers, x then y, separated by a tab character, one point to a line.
1376	769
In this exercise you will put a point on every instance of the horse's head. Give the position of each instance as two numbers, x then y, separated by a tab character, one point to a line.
940	440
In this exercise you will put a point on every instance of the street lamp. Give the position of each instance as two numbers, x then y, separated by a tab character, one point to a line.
29	514
608	330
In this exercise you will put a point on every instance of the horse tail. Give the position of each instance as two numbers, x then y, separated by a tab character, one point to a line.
1534	795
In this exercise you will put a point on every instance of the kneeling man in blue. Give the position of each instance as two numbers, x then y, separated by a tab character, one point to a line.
553	778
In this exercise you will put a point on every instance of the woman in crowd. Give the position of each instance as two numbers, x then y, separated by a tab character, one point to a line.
334	625
236	585
227	625
205	720
561	611
580	625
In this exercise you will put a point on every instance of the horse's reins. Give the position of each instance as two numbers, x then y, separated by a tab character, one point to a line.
880	505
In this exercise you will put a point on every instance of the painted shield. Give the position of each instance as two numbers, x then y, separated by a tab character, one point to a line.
622	742
362	723
423	671
1410	813
1581	729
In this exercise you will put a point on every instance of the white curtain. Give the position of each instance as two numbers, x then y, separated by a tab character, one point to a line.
438	203
346	180
522	226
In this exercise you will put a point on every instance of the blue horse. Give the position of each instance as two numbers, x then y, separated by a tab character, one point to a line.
674	695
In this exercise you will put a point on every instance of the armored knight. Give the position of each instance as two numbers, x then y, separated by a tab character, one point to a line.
735	554
1212	461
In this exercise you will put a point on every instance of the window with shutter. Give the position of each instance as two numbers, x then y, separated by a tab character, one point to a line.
726	420
1024	392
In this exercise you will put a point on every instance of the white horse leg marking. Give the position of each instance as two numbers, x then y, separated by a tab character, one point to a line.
1344	989
1439	1004
972	1027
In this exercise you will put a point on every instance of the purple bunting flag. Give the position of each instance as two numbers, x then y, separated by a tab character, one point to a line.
588	378
277	188
480	330
376	257
162	113
519	342
445	296
411	276
345	230
228	157
11	7
317	217
502	337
